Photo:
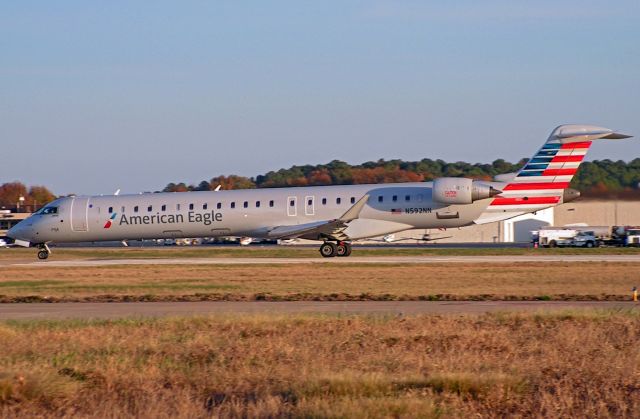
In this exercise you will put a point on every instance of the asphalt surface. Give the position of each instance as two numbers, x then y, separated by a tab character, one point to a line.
52	262
48	311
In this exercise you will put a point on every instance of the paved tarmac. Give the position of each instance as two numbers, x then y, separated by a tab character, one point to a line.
317	260
46	311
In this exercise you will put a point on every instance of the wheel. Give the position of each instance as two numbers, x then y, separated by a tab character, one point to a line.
328	249
344	249
589	245
43	254
553	243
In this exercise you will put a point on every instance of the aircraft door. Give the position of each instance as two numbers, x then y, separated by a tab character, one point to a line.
309	208
79	214
292	206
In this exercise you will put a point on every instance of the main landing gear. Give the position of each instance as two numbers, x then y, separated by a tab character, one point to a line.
340	249
44	251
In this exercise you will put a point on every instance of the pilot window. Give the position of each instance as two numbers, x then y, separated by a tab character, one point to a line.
324	201
135	209
271	203
257	204
204	206
219	205
338	201
191	207
110	210
50	210
163	208
407	198
245	204
394	198
380	198
233	205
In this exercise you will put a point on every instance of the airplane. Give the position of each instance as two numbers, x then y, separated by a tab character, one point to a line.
335	215
391	238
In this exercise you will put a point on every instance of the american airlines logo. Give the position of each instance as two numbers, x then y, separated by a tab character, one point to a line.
110	220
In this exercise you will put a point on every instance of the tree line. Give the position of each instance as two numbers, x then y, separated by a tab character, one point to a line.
33	197
593	178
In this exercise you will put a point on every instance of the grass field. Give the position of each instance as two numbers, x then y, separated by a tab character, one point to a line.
29	255
573	364
592	280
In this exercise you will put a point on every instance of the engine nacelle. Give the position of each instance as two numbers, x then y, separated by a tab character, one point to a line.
458	190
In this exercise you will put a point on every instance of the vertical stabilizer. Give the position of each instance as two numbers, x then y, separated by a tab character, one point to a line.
542	182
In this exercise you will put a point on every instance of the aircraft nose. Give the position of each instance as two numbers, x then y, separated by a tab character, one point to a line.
19	232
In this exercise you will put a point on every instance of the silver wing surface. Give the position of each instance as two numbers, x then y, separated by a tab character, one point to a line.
318	230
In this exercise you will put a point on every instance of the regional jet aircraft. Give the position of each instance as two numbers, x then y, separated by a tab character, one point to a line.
335	215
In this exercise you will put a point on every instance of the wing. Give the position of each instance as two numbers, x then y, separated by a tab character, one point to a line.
332	229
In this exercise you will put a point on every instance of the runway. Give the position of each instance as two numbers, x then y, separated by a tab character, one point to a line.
55	311
320	260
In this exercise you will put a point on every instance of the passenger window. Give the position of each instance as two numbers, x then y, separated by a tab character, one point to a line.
233	205
219	205
246	204
271	203
191	207
394	198
163	208
257	204
380	198
177	207
110	210
353	200
338	201
324	201
419	197
205	206
150	208
122	210
407	198
135	209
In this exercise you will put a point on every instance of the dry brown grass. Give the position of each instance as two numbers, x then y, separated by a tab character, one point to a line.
581	364
304	281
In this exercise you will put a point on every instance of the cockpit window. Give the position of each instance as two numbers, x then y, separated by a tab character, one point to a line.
49	210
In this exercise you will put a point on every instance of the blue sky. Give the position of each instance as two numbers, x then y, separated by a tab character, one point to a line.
96	96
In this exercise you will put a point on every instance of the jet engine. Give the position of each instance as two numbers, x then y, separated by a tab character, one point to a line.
457	190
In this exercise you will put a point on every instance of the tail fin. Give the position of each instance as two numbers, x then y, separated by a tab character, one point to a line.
543	180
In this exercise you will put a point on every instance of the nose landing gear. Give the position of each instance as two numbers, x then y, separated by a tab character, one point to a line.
44	251
340	249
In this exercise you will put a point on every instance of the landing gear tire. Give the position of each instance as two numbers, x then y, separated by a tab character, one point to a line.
343	249
43	254
328	249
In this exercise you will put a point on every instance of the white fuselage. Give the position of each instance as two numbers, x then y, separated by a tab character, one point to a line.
390	208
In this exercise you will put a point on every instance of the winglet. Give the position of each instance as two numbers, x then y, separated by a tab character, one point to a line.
354	212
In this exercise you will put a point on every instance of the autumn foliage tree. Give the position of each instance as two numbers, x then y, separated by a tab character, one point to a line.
597	176
35	196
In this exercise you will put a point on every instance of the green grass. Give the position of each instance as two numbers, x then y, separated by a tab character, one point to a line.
296	252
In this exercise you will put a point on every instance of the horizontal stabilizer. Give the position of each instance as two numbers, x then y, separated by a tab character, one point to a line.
574	133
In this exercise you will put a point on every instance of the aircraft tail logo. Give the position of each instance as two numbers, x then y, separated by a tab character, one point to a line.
545	179
109	222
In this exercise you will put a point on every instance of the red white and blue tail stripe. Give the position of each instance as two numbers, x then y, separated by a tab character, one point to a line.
541	183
